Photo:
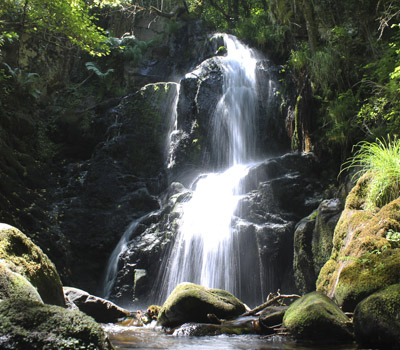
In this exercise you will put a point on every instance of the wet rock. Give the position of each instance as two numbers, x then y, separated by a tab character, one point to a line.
314	317
100	309
22	256
192	303
27	324
363	260
376	319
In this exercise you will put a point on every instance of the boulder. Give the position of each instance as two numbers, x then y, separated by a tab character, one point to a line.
315	317
189	302
363	260
376	319
28	324
15	286
100	309
24	257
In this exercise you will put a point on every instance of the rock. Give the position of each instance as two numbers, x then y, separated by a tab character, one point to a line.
313	240
328	215
24	257
314	317
376	319
100	309
303	264
271	316
363	260
15	286
189	302
27	324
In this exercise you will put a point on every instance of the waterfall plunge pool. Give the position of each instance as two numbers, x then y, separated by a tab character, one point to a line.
150	337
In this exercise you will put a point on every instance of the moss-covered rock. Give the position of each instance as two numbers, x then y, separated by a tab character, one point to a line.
376	319
362	259
314	317
15	286
27	324
189	302
24	257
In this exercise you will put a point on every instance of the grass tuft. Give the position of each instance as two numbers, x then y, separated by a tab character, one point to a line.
382	160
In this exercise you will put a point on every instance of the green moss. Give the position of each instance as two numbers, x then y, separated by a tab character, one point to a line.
24	257
369	273
357	196
32	325
15	286
189	302
376	319
362	259
314	317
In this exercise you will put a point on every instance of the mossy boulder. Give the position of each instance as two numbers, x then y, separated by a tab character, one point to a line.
190	302
27	324
316	318
24	257
15	286
376	319
362	259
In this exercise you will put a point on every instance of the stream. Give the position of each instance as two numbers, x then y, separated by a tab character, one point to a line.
151	337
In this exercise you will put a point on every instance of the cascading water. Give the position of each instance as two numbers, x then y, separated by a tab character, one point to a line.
206	250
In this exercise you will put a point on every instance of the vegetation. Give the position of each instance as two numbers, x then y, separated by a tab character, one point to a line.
381	160
348	52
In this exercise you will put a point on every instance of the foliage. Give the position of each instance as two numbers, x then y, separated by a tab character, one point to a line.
51	18
381	160
23	83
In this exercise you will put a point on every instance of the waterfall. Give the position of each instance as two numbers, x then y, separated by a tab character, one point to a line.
206	249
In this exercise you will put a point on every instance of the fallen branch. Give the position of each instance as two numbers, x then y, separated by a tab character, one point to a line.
270	300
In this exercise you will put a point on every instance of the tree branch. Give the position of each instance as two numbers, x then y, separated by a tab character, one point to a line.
270	301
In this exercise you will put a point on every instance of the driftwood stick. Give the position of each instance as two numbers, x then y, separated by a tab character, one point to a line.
270	301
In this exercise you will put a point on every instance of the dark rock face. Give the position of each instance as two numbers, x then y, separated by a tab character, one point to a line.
313	241
376	321
264	224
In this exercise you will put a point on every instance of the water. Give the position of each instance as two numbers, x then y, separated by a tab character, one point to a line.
112	265
141	338
206	249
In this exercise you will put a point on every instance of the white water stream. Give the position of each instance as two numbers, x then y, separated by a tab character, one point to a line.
206	250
